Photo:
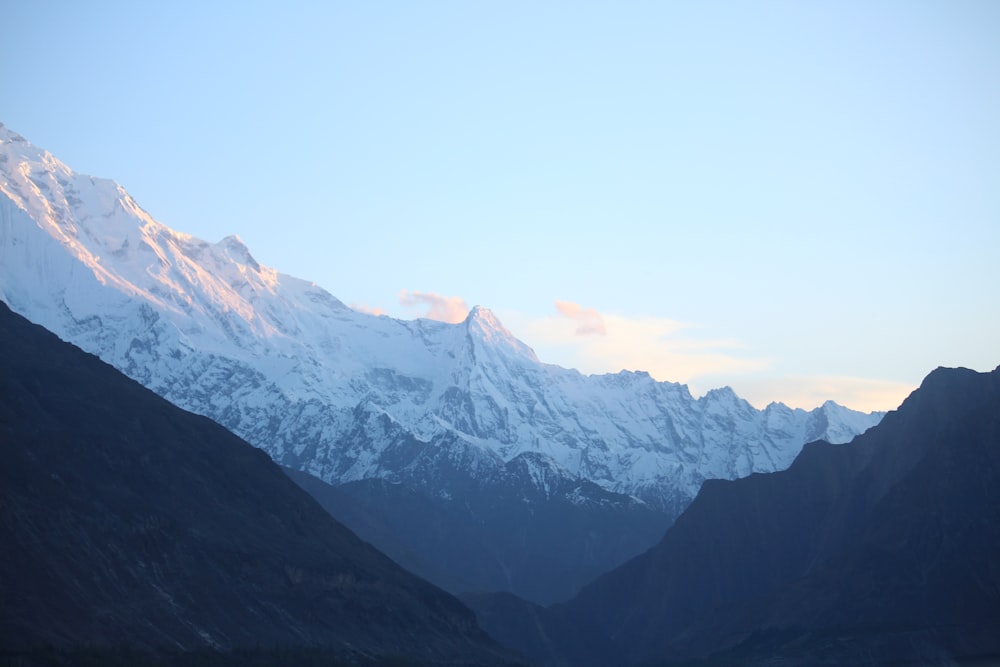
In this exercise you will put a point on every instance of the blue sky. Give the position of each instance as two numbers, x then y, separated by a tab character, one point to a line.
800	200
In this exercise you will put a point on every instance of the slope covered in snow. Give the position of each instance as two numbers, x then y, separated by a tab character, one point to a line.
326	389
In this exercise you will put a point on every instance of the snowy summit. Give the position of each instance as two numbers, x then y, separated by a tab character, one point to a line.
327	389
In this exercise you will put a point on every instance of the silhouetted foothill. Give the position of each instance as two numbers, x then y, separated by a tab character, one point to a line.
127	522
881	551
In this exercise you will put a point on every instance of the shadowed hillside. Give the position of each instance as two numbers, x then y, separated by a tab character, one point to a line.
883	551
127	522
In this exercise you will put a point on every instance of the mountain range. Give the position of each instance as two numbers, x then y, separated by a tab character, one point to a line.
459	414
128	523
136	532
880	552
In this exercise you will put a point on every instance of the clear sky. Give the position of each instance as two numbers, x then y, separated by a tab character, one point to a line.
797	199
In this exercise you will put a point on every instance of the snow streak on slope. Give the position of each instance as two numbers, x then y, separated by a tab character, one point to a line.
344	394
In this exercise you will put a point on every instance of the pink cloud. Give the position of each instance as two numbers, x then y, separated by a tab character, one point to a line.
364	308
588	320
442	308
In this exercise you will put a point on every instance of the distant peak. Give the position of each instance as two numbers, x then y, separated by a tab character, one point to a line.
239	251
722	393
484	320
483	315
10	134
625	378
949	374
487	327
946	384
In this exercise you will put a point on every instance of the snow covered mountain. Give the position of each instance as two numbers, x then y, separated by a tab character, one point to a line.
451	411
326	389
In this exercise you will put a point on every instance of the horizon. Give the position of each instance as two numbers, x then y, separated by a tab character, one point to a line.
795	202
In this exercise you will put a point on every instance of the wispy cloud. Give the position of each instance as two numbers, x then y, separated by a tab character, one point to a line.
443	308
676	351
365	308
589	321
595	342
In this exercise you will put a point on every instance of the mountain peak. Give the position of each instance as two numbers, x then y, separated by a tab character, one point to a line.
9	134
23	151
722	395
238	251
485	316
944	375
949	388
283	363
484	325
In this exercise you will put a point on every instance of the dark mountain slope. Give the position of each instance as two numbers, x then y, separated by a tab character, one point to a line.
507	535
880	551
923	581
127	521
406	526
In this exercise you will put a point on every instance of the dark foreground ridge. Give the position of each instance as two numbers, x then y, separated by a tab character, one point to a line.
133	528
883	551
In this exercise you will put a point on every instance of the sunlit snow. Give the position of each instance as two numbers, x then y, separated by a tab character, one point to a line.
319	385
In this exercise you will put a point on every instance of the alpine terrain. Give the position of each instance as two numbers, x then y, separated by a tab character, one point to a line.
879	552
134	532
463	417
